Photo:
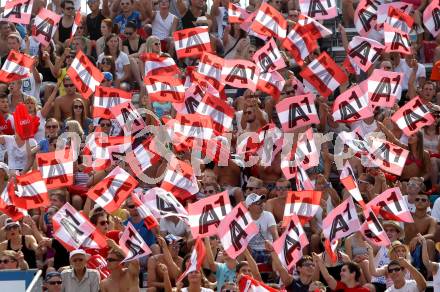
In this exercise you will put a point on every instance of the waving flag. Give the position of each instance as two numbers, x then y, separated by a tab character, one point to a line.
365	16
290	244
269	22
144	212
107	97
387	156
272	84
85	76
319	9
16	67
303	204
163	204
382	10
196	260
112	191
164	88
364	52
249	284
128	117
303	182
45	26
324	74
179	179
431	18
413	116
76	24
190	128
56	168
399	19
269	58
306	153
6	205
236	14
352	105
206	214
236	230
222	113
71	228
193	96
144	155
192	42
159	65
384	88
210	69
297	111
349	182
312	26
31	191
96	240
373	230
17	11
132	244
240	74
391	205
396	40
299	44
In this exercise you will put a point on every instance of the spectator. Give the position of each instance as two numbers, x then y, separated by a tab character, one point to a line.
396	269
163	24
106	28
95	18
53	282
66	22
78	277
11	260
128	14
63	104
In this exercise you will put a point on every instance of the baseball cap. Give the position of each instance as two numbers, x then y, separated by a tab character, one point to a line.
11	224
15	35
253	198
108	76
51	275
76	252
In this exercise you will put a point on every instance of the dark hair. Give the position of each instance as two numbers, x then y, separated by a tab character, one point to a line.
106	49
302	260
112	65
354	268
240	265
96	215
52	55
63	4
131	24
393	263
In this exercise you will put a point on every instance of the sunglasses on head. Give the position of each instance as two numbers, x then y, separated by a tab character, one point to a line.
55	282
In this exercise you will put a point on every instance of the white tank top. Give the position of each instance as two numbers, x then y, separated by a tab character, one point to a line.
381	259
161	27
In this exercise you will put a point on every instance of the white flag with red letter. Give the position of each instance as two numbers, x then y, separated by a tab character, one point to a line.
372	230
249	284
128	117
107	97
70	227
192	42
144	212
413	116
240	74
132	244
56	168
196	260
341	221
319	9
17	11
163	204
221	113
290	244
352	105
31	191
383	87
324	74
206	214
391	206
303	204
431	18
210	70
164	88
144	155
187	128
180	180
16	67
236	230
312	26
193	96
112	191
382	10
297	111
387	156
364	52
299	44
45	26
159	65
269	22
272	84
76	24
396	41
236	14
85	76
365	16
269	58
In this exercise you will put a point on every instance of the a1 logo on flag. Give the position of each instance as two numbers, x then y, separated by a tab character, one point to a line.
132	244
45	26
413	116
17	11
297	111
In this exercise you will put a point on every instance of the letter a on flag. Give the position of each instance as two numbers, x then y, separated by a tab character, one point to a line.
319	9
132	244
192	42
413	116
297	111
269	22
341	221
45	26
431	18
56	168
17	11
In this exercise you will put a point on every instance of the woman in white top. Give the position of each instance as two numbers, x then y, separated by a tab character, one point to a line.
18	151
163	23
107	28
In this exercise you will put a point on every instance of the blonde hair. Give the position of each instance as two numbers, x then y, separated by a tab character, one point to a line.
75	127
34	100
149	43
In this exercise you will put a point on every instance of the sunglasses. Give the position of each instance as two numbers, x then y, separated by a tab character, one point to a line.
105	125
387	67
248	113
129	33
51	127
131	206
69	8
156	44
78	106
210	191
421	200
55	283
69	85
6	261
111	260
125	4
395	270
102	223
308	265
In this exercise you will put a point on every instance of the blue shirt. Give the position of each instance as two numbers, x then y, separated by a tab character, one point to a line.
44	146
146	234
121	21
223	275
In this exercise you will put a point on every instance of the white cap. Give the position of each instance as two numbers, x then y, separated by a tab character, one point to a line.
76	252
253	198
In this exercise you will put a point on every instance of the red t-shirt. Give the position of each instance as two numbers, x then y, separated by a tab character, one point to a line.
342	287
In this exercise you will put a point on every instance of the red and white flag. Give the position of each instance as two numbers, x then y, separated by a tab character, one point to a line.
70	227
391	205
349	182
192	42
269	22
144	155
236	14
6	205
297	111
384	88
312	26
206	214
96	240
324	74
180	180
299	44
159	65
76	24
372	230
132	244
352	105
163	204
112	191
85	76
240	74
399	19
31	191
290	244
387	156
56	168
431	18
16	67
128	117
196	260
210	70
272	84
319	9
269	58
341	221
193	96
164	88
107	97
396	41
185	129
382	10
236	230
45	26
303	204
144	212
221	113
17	11
365	16
413	116
303	182
364	52
246	26
249	284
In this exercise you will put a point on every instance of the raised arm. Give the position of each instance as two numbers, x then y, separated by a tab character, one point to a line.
324	272
50	101
415	274
286	278
209	257
133	265
376	272
173	268
252	265
431	266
